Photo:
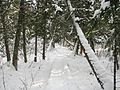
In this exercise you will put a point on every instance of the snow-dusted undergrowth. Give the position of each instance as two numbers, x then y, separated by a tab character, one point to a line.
61	71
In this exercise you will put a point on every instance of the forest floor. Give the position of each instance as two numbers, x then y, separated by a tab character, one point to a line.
60	71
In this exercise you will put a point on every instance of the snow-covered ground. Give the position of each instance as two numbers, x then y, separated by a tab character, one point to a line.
60	71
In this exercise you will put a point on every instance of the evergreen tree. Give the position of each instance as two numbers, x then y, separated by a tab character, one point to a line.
18	34
4	5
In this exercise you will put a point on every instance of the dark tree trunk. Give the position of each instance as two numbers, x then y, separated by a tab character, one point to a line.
5	36
44	29
115	64
81	49
53	44
44	46
76	46
24	36
92	44
35	58
18	33
6	39
116	43
88	51
92	67
24	44
36	29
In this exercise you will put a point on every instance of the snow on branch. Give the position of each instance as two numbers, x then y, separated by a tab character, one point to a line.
100	72
98	11
57	8
103	5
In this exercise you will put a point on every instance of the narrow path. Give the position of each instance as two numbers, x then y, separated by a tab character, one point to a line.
69	72
61	71
60	78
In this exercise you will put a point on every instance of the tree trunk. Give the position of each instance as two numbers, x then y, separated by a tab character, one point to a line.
17	36
76	47
92	44
92	67
24	44
91	57
24	36
35	58
5	36
116	44
115	63
44	29
44	46
6	40
81	49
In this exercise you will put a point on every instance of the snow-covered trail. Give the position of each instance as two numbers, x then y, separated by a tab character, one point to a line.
61	71
69	72
60	77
